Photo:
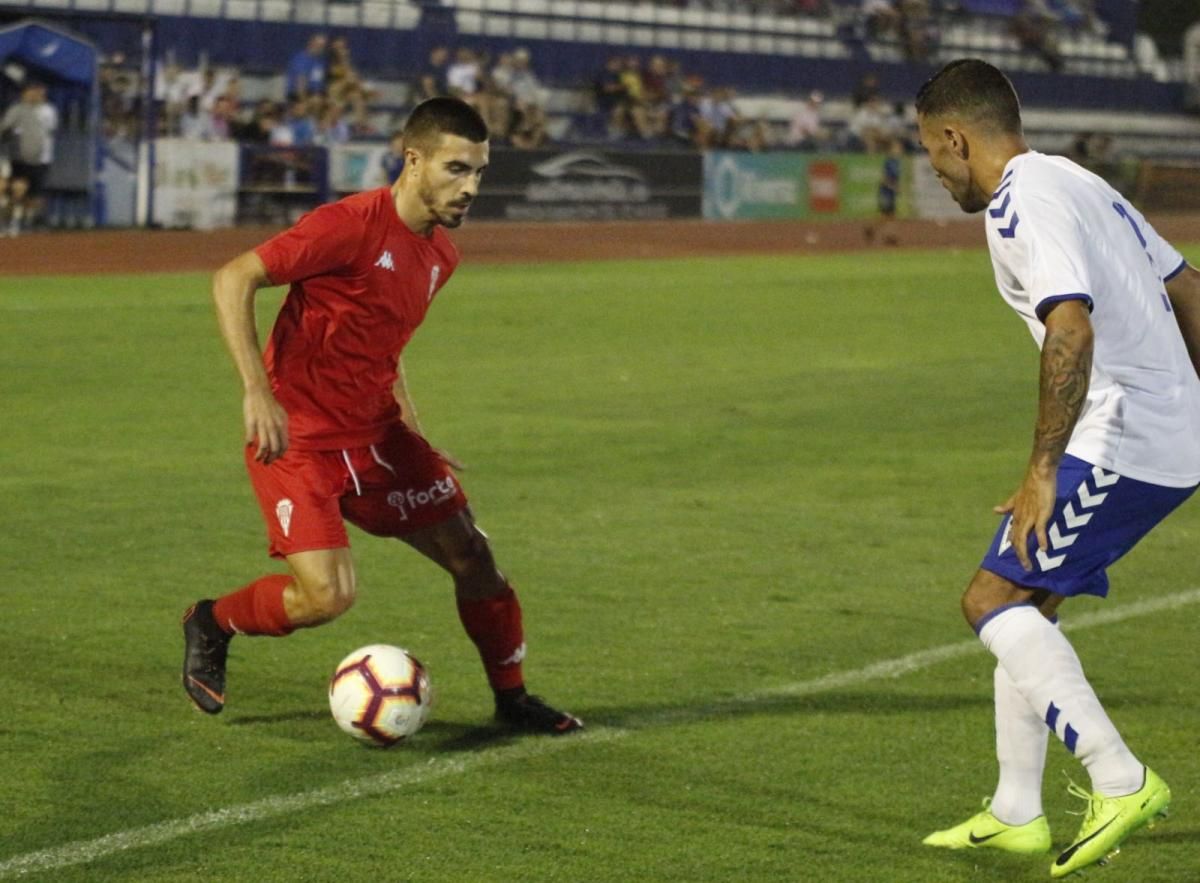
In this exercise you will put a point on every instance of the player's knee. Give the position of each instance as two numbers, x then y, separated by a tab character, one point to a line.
988	592
326	598
473	567
471	554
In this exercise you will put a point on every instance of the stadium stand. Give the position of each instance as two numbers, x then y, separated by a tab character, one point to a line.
1088	80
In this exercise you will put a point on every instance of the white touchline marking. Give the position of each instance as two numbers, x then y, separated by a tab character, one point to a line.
894	668
83	851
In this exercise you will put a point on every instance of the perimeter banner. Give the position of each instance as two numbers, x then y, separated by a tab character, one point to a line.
195	183
755	185
798	186
590	184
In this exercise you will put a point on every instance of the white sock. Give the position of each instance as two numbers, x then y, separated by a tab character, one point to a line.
1045	670
1021	739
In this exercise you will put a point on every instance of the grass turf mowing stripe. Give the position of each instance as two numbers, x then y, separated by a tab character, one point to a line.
83	851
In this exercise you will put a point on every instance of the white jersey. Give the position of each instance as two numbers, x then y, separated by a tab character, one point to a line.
1057	232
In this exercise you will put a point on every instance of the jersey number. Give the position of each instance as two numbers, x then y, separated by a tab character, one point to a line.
1124	213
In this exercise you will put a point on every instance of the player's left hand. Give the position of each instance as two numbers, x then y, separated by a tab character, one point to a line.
1031	507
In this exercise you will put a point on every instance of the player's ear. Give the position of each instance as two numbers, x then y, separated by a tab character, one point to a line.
957	142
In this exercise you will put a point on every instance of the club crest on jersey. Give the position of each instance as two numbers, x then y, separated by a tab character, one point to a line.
385	261
406	501
283	511
434	275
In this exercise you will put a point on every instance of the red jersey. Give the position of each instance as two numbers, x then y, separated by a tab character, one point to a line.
361	283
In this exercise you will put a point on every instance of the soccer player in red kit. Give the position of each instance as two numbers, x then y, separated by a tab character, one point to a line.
331	433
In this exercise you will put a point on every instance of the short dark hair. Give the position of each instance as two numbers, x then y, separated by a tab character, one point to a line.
973	90
443	116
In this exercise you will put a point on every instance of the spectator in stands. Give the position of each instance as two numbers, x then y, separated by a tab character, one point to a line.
686	121
611	100
880	18
432	81
221	118
741	132
30	123
346	88
464	75
306	72
872	127
916	29
392	160
497	98
218	83
806	131
331	127
867	88
261	125
528	103
656	93
635	98
467	78
299	127
1034	29
192	122
172	90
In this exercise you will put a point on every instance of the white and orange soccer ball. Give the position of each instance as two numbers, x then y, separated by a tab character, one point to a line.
380	694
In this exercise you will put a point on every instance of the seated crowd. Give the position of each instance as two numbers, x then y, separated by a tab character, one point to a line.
638	99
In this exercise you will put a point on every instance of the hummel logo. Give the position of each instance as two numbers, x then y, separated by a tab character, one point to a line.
385	261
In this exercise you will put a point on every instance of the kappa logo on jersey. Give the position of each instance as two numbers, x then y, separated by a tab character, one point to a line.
406	501
385	261
1077	513
283	511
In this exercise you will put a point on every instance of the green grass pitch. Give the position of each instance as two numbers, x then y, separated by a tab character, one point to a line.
713	483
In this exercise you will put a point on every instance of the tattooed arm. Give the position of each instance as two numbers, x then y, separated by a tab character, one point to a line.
1065	372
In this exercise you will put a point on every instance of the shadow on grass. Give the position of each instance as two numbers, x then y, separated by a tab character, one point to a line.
444	736
281	717
871	703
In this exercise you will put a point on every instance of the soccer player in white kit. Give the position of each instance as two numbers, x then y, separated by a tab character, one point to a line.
1115	311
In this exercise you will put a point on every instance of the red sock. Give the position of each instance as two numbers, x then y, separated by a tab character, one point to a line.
494	624
256	609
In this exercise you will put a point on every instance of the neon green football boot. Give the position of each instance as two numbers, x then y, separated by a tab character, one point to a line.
1108	821
984	830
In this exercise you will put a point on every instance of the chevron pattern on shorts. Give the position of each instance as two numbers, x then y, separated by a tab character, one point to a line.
1075	515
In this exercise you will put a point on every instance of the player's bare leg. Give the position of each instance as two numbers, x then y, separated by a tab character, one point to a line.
320	588
491	615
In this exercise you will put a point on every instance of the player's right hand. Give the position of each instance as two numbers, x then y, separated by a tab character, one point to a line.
266	425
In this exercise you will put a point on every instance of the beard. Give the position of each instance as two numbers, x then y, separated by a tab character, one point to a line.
449	215
969	197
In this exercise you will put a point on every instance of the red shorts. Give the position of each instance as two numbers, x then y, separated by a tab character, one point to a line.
391	488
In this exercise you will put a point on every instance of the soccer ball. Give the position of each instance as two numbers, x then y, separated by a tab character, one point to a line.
380	694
